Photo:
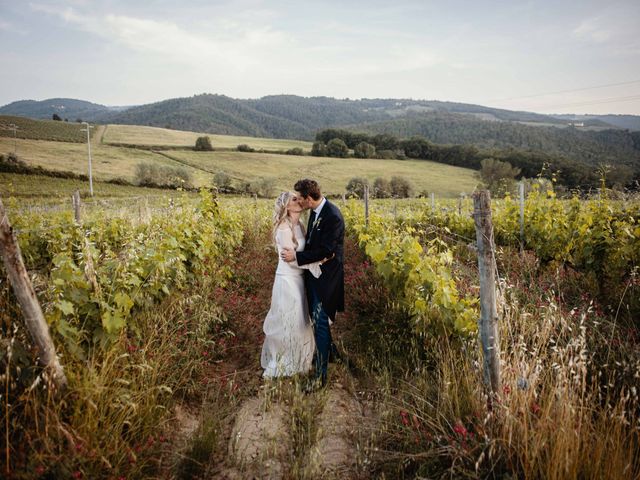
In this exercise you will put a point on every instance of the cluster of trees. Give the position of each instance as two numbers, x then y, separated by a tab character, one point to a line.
396	187
161	176
57	118
584	146
568	172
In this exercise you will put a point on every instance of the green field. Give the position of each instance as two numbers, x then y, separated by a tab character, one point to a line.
153	136
42	129
333	174
38	187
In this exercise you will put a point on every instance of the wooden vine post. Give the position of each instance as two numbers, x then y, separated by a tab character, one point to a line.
521	192
26	295
366	205
75	200
488	311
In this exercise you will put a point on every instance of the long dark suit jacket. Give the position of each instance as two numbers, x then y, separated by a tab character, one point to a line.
325	237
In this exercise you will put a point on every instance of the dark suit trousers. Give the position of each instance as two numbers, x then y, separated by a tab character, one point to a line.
322	334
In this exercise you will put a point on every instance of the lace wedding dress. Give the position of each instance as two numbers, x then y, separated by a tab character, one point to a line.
289	344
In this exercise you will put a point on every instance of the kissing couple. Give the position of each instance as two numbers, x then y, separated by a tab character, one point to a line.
308	289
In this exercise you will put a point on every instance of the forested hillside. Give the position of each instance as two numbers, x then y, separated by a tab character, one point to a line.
590	147
68	108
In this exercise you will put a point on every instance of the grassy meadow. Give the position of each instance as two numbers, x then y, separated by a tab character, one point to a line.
154	136
41	188
110	162
333	174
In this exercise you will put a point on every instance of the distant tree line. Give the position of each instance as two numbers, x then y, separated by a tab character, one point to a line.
570	173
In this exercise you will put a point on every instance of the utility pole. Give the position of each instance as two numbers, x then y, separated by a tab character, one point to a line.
14	127
88	129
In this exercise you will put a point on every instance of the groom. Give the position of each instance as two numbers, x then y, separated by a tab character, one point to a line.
325	239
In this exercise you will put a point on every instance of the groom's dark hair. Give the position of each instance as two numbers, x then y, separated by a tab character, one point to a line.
308	188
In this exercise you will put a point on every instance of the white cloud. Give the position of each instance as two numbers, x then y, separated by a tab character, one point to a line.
11	28
592	30
229	43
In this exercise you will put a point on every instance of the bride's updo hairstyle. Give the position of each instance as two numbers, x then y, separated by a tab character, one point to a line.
280	215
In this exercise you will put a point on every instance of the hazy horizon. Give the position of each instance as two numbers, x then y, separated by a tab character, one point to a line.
568	58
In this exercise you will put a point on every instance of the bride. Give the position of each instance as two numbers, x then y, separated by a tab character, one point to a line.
289	344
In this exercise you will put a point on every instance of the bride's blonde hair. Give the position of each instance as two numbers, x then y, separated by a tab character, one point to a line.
280	216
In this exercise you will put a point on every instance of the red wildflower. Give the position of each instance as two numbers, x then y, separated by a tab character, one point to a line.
506	389
77	474
460	430
535	408
40	469
405	418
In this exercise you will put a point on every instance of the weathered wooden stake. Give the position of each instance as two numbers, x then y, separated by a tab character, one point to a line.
521	188
75	200
26	295
488	310
366	205
433	200
344	198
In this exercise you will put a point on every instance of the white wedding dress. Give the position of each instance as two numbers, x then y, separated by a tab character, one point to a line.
289	344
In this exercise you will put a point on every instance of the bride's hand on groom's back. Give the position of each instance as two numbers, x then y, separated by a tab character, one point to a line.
325	260
288	255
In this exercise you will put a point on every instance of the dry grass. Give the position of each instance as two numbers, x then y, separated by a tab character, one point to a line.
564	412
154	136
107	162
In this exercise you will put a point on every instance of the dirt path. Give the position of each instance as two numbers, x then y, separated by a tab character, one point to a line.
274	429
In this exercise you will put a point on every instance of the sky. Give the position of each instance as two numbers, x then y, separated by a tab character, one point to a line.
540	56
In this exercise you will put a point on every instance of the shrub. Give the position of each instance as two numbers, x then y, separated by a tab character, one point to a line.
56	117
262	187
319	149
203	144
381	188
222	181
499	177
245	148
386	154
364	150
151	175
337	148
295	151
119	181
12	160
400	187
355	187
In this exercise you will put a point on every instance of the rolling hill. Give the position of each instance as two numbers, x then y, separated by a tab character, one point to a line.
68	108
595	139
